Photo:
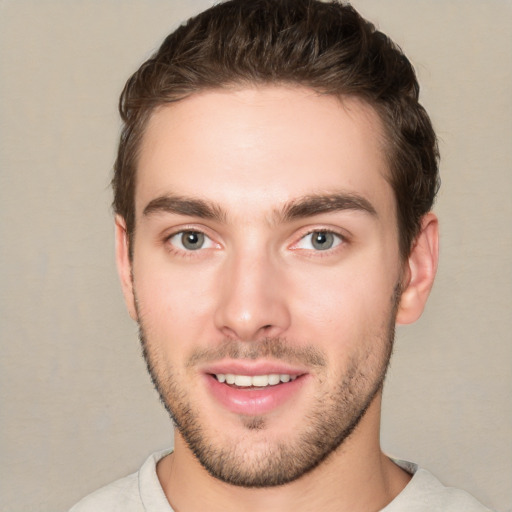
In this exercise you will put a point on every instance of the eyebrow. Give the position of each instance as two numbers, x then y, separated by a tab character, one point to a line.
316	204
303	207
188	206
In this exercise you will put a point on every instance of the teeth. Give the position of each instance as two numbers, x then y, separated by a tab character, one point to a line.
243	381
274	379
259	381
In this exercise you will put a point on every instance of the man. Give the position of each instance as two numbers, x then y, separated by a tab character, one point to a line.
273	190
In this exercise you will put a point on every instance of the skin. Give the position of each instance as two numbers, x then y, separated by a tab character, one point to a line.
249	154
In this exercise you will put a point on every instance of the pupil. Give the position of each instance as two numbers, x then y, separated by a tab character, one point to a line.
192	240
323	241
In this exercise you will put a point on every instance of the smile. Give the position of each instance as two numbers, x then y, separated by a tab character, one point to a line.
259	381
257	393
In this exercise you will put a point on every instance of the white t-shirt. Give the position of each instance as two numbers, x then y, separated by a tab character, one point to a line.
142	492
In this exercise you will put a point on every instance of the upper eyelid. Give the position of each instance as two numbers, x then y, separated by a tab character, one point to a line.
294	239
338	232
213	241
170	232
344	240
323	230
335	233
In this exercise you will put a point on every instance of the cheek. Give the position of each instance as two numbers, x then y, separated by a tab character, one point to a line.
346	306
172	302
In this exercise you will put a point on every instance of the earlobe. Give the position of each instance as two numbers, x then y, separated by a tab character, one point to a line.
124	265
419	272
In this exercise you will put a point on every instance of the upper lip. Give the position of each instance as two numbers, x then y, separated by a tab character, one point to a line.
252	368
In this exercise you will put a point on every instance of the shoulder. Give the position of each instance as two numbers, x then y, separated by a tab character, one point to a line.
137	492
121	495
425	493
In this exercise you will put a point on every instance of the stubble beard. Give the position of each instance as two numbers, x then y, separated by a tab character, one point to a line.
323	429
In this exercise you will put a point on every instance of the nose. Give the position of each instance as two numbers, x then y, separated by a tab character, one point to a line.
252	301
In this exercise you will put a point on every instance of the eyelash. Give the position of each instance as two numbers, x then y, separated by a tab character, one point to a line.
182	251
340	240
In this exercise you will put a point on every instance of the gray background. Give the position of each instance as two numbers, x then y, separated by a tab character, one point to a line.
77	409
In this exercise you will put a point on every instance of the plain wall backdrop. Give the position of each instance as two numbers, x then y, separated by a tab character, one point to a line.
77	409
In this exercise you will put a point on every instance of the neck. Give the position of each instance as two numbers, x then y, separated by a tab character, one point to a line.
356	477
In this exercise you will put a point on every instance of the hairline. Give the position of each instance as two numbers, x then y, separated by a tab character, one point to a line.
384	134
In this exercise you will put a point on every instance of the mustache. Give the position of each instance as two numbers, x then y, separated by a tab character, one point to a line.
274	348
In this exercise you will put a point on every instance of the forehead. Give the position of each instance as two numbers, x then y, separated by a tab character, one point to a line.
258	148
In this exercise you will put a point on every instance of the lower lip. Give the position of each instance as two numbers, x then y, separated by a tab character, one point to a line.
254	401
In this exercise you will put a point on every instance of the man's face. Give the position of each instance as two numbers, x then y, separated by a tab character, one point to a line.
266	272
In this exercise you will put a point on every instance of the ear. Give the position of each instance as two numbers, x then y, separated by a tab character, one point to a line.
419	272
124	265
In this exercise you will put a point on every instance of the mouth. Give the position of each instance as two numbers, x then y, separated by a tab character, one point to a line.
254	381
248	390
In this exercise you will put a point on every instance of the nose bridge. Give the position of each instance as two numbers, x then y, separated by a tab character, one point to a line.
252	303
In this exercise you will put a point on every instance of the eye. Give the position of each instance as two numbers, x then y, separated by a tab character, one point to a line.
319	241
190	241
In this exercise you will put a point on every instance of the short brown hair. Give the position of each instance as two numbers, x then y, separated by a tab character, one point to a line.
326	46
